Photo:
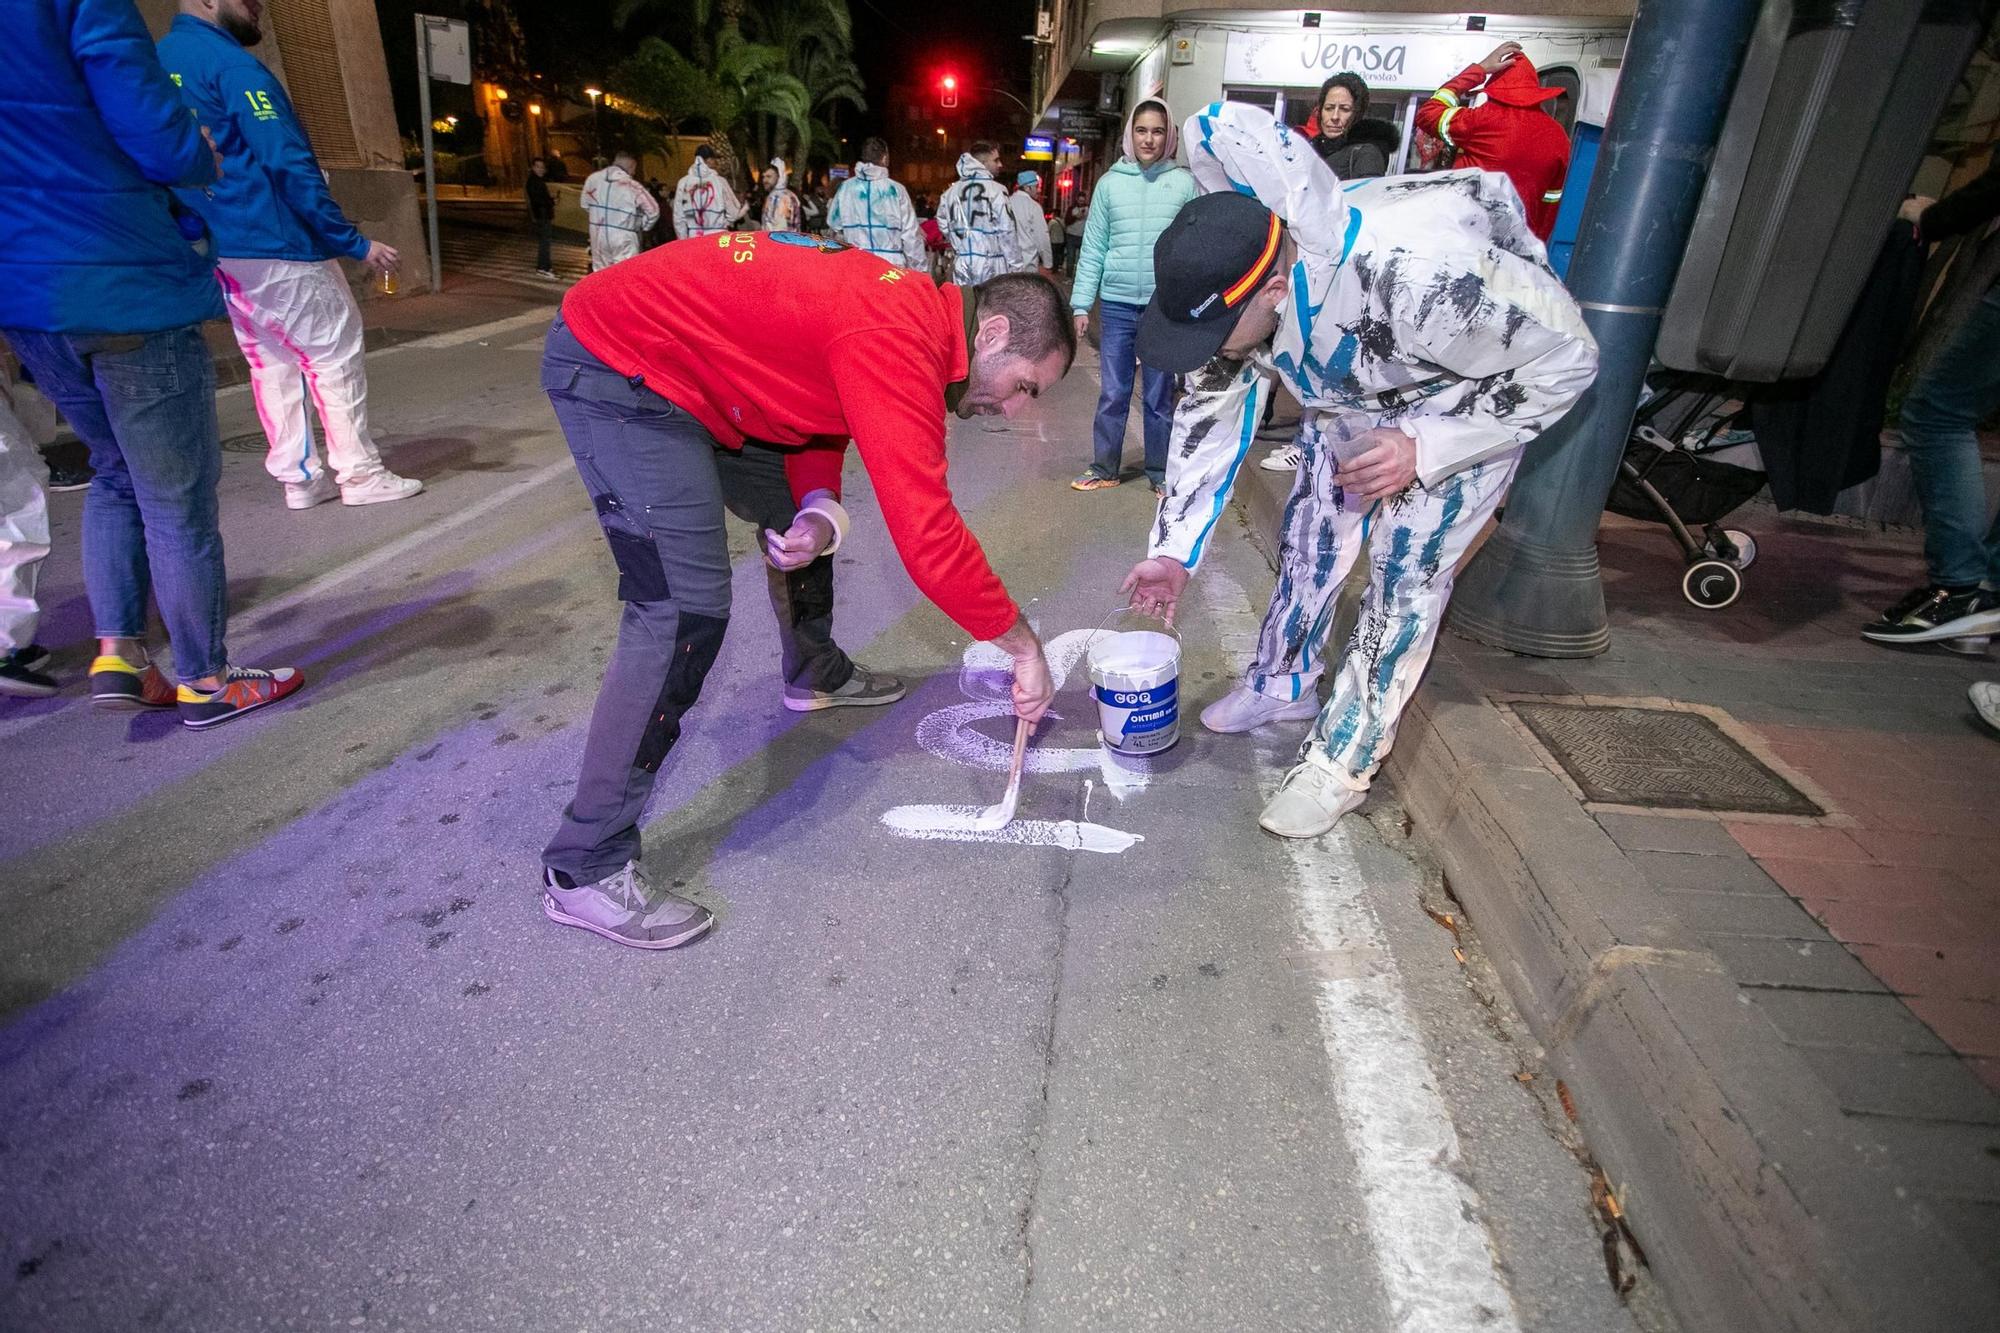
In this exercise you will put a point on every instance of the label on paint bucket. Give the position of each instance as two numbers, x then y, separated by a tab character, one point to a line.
1139	721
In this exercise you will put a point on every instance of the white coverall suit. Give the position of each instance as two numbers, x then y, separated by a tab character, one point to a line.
1419	302
620	210
873	213
781	207
1031	233
703	202
978	223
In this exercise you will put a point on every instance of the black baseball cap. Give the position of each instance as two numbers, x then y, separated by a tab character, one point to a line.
1217	251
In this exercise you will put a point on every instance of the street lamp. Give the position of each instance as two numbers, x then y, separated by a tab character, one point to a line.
596	124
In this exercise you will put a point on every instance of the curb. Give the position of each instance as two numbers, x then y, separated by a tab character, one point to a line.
1761	1205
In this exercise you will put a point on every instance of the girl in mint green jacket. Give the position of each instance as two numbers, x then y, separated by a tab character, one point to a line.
1131	206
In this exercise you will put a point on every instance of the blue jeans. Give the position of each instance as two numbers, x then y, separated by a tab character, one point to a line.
1117	360
145	406
1941	418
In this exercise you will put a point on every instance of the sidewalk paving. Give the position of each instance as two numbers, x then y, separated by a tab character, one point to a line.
1782	1033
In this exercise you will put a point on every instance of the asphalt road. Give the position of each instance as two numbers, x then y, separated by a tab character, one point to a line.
288	1044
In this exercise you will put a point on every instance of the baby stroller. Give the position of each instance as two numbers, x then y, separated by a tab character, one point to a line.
1688	464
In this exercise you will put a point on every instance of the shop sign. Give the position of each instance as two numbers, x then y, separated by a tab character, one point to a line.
1385	59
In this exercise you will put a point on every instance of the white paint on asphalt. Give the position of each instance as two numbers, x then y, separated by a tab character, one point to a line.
1425	1222
961	823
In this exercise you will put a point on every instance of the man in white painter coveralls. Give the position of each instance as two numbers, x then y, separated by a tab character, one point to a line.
276	232
1031	225
703	202
620	211
873	213
977	220
1418	322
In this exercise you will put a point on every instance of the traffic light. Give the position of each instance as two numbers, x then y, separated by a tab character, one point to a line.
948	91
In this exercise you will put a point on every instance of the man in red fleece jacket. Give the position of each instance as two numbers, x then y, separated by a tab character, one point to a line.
1509	132
696	346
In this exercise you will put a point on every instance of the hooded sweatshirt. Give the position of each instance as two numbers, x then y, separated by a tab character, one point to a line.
781	206
1031	229
1420	302
703	202
1129	209
1510	133
978	223
873	213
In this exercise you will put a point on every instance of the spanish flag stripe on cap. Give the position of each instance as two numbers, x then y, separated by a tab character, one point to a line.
1242	286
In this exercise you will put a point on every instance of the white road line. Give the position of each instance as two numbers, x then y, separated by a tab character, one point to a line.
1425	1222
242	626
395	550
449	338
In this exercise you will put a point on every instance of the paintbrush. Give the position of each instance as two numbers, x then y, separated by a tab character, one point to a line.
995	817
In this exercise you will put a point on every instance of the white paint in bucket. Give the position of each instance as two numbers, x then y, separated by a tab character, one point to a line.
1135	675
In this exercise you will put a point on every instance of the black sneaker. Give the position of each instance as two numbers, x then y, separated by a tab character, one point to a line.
1929	615
19	676
69	476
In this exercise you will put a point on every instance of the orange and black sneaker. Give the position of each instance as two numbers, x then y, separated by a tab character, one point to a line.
117	683
243	688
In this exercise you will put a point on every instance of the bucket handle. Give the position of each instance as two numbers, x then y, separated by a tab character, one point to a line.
1172	633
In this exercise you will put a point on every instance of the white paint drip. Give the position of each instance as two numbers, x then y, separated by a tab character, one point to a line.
1425	1222
961	823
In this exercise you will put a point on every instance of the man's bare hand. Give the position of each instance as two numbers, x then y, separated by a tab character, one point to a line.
799	545
1034	686
1389	466
1502	56
1913	208
1155	585
381	258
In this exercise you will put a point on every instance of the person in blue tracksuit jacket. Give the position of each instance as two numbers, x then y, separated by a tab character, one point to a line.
276	233
102	298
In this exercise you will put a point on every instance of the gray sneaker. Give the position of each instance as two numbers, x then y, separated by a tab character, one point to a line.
626	908
864	689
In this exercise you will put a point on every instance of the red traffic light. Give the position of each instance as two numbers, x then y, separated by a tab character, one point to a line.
948	90
950	82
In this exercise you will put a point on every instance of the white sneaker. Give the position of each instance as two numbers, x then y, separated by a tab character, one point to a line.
306	494
1311	801
1286	459
381	488
1986	702
1243	709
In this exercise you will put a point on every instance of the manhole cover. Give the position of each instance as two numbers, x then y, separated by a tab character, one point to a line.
1659	757
252	442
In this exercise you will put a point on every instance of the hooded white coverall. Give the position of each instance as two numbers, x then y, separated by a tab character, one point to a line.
979	224
873	213
620	210
781	206
703	202
1031	233
1419	302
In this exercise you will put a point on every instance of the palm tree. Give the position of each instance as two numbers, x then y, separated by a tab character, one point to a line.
818	36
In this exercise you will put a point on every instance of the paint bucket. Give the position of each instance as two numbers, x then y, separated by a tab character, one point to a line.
1135	674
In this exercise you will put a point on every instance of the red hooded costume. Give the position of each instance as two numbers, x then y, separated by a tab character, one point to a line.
1509	133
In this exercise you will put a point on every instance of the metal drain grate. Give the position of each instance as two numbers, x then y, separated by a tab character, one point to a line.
1658	757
